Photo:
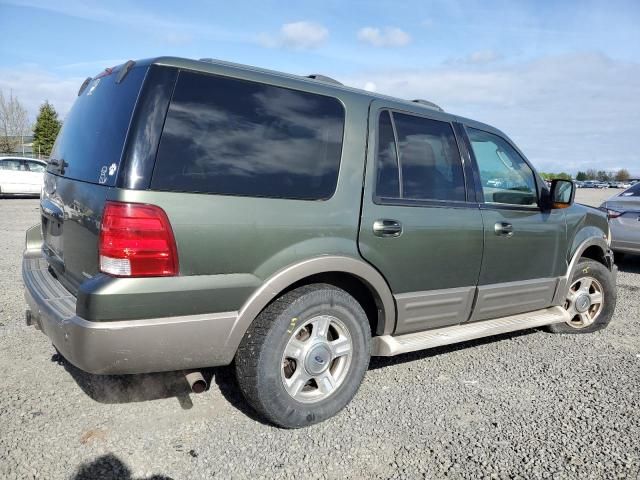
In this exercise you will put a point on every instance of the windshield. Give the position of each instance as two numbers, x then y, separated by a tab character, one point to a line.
94	132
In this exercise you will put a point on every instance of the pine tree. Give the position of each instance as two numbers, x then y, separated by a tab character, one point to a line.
46	129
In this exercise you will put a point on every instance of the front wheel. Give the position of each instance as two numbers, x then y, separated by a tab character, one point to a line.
305	355
591	299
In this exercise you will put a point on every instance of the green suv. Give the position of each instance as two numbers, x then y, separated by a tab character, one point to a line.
203	213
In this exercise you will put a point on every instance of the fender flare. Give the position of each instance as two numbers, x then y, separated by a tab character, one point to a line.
564	283
286	277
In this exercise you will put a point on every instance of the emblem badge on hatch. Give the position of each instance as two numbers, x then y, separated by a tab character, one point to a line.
103	175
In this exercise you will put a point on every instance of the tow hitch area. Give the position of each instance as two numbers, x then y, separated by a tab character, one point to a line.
31	320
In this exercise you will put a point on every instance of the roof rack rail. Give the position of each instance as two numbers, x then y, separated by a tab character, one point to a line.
429	104
323	78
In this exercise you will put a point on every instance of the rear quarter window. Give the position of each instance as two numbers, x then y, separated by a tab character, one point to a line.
235	137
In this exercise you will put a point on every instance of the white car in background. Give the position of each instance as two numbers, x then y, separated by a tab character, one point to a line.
21	176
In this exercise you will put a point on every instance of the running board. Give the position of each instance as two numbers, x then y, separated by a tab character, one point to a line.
387	345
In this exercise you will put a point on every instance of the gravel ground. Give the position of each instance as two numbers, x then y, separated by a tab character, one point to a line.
529	405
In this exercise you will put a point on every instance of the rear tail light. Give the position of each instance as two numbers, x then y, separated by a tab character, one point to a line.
136	240
613	213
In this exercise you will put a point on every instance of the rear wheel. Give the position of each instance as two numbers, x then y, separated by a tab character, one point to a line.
590	301
304	357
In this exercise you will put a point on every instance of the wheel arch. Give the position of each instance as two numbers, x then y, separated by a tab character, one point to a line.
594	247
355	276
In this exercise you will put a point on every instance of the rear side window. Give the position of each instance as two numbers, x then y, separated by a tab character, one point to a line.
235	137
387	182
425	163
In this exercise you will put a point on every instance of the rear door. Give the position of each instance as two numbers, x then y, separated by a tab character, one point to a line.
525	247
419	226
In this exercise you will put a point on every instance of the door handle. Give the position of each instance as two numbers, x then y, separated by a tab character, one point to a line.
387	228
503	229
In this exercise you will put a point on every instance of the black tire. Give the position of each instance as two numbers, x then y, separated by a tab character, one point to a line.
592	268
259	360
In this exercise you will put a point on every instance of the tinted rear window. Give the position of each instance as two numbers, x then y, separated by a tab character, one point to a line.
235	137
634	191
94	131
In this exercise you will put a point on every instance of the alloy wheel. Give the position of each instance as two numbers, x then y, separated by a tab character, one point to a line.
316	359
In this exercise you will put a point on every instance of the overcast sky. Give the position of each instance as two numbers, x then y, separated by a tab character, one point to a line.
561	78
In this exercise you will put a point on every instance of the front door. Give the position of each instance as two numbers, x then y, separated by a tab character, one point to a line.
417	227
525	247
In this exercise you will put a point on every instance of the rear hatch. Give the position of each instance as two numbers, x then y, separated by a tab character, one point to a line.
83	169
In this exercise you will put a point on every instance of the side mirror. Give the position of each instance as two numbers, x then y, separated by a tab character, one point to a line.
563	193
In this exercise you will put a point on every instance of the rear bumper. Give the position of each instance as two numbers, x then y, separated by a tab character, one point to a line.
127	346
625	235
625	238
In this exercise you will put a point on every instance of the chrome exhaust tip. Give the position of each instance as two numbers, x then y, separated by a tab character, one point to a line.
196	381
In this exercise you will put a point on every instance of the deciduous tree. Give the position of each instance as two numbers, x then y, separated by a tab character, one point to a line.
622	175
14	123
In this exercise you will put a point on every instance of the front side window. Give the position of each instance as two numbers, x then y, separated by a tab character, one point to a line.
235	137
428	166
504	175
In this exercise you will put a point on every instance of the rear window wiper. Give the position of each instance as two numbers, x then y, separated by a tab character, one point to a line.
60	165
